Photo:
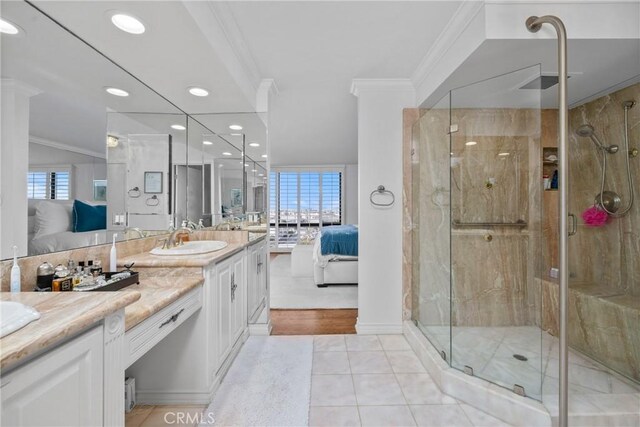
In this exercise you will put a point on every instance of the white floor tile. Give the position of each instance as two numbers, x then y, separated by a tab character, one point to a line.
377	389
330	362
481	419
394	342
329	343
363	343
334	416
369	362
440	416
420	389
332	390
392	416
405	362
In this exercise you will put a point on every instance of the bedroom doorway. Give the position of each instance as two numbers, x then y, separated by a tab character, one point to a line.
303	204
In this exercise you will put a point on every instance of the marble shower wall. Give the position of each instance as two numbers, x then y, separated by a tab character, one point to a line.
431	218
497	180
493	278
609	255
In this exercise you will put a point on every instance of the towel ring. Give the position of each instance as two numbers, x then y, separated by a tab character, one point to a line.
152	201
381	190
134	193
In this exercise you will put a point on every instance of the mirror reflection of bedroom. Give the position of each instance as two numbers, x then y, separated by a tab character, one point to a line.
314	249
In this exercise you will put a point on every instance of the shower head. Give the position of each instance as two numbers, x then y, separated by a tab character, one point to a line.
628	104
587	131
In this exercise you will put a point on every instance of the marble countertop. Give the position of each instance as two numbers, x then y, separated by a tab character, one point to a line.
146	260
63	314
157	293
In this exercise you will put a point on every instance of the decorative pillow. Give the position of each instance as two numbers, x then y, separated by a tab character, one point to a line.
87	217
51	217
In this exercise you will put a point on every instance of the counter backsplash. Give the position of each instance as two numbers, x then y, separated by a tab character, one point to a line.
29	265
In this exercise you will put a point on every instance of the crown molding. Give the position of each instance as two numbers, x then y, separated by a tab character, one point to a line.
67	147
217	23
359	86
266	90
461	19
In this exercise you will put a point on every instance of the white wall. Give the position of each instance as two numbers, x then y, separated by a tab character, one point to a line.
351	194
380	105
14	161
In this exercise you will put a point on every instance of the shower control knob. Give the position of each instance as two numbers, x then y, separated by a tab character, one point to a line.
488	237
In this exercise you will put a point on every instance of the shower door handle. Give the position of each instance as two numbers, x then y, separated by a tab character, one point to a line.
574	225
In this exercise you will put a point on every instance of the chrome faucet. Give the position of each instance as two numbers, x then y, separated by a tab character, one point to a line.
172	243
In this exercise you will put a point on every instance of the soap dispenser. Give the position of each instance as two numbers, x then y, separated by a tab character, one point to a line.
113	256
15	272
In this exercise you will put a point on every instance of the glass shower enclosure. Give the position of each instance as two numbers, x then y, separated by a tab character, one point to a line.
485	237
478	198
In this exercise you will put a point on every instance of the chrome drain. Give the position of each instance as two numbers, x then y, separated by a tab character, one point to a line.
520	357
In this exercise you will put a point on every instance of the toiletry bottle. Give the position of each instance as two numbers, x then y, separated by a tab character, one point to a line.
97	266
15	272
113	256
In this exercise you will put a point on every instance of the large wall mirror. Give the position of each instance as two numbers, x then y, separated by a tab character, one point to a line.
79	131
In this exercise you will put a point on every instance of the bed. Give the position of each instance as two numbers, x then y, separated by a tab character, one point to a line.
50	228
335	256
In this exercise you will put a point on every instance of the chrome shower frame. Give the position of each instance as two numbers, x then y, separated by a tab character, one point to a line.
534	24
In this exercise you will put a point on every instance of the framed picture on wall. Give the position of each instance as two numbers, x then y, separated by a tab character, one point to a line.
153	182
236	197
100	190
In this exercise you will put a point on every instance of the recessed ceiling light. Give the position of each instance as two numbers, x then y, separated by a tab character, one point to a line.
116	92
503	154
178	127
220	165
264	156
246	165
235	127
254	170
198	91
254	144
470	143
127	23
226	153
207	142
7	27
236	134
260	174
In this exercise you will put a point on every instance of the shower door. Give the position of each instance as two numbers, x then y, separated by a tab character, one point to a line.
495	235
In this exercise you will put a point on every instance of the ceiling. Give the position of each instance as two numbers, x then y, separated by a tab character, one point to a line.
313	50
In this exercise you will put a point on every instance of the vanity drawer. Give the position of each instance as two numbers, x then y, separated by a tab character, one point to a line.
145	335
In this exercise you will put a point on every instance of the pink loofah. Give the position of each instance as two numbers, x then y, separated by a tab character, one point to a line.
595	217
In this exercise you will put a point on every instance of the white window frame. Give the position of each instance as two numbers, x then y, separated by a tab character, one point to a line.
301	169
48	169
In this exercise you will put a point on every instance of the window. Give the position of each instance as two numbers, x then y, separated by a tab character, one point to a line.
302	202
54	184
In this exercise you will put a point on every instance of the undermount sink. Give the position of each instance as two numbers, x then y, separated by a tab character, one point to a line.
196	247
14	315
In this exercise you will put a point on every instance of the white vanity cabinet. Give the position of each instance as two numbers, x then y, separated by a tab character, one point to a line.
62	387
230	304
256	279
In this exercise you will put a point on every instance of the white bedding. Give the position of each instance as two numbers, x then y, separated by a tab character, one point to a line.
66	240
322	260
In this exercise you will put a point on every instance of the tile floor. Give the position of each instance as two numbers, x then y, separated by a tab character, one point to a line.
379	381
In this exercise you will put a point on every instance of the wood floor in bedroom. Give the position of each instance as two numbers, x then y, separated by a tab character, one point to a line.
314	322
